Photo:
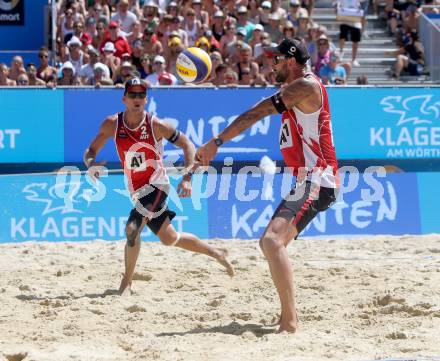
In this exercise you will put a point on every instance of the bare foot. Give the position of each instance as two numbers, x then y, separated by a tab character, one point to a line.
290	327
125	288
221	255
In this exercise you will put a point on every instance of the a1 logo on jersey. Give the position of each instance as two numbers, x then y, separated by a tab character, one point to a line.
144	134
135	161
286	140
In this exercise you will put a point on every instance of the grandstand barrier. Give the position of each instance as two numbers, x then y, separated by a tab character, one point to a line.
73	208
55	126
429	25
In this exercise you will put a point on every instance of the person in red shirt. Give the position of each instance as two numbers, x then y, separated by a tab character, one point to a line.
138	136
306	143
120	43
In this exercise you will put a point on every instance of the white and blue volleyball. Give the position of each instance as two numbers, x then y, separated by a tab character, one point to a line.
193	65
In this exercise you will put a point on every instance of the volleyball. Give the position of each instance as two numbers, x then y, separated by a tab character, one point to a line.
193	65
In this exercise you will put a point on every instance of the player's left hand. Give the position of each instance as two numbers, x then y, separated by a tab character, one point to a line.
184	189
206	152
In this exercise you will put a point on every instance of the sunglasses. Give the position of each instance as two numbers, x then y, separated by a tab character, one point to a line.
43	56
277	59
23	82
134	95
245	73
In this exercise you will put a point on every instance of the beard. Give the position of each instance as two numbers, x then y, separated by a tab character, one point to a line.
281	76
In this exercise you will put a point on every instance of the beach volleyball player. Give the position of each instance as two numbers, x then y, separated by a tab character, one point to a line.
138	137
306	144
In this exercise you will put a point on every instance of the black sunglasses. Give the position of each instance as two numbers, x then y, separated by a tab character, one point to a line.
278	58
134	95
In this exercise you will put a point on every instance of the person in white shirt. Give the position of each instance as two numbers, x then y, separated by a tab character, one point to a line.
124	17
350	30
159	66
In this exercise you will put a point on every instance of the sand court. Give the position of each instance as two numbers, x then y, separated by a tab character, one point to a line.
359	298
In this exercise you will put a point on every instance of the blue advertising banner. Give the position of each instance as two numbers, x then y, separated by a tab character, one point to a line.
386	123
67	208
251	202
25	24
31	126
200	114
429	195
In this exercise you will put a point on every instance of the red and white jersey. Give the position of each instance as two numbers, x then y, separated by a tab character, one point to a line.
140	153
306	142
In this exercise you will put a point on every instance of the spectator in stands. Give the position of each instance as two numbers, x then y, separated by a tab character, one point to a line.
100	35
322	57
109	58
312	42
17	67
246	78
159	66
163	30
150	43
254	11
266	7
90	28
350	30
216	60
75	55
264	42
220	75
150	12
135	34
124	73
31	71
99	76
124	17
430	7
22	80
119	42
362	80
256	35
303	23
292	16
246	62
278	10
218	26
136	54
273	28
65	26
214	45
243	22
68	75
288	30
173	9
177	31
4	72
45	71
228	39
410	57
201	14
192	27
78	31
86	73
204	44
410	17
333	73
175	47
146	67
134	7
231	77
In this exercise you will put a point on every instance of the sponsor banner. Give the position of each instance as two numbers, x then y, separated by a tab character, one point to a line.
386	123
25	20
429	195
375	206
73	208
11	12
199	113
31	127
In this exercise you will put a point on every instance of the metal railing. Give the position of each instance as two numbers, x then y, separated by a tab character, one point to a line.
430	36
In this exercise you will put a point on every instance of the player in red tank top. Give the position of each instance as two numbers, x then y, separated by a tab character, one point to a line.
138	138
307	146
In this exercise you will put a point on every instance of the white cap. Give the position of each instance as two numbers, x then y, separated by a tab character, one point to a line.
74	41
68	65
242	9
219	14
126	64
99	66
274	16
259	27
159	59
294	2
109	46
266	4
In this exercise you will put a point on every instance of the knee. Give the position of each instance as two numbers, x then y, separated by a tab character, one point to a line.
270	243
170	239
132	233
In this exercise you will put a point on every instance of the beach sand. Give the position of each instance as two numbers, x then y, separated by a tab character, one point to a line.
358	299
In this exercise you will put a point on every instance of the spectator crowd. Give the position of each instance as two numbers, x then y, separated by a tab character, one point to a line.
104	42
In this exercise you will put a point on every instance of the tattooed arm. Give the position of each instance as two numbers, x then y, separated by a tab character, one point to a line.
293	94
